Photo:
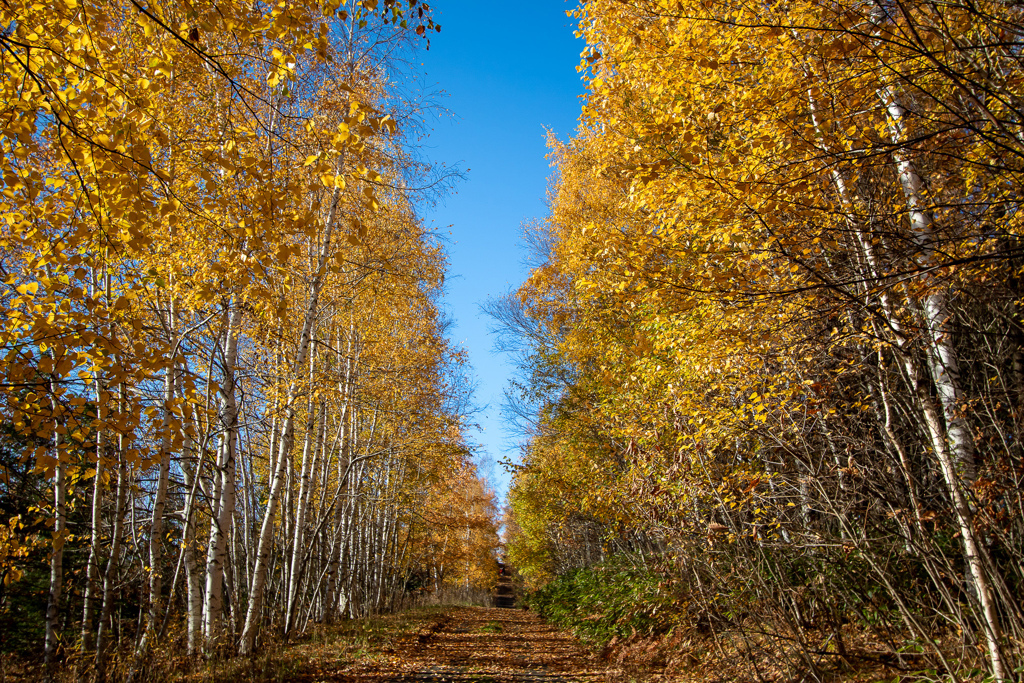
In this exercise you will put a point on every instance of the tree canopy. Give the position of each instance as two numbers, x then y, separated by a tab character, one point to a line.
775	333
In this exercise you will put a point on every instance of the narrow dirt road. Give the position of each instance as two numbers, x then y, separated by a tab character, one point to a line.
475	645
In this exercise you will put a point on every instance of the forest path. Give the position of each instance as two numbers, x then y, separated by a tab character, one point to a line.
471	645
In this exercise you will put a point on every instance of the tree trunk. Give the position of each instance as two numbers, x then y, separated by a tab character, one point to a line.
224	496
156	530
92	568
298	539
110	574
56	561
951	438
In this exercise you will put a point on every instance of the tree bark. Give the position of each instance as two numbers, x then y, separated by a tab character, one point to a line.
56	561
951	439
252	617
110	574
224	497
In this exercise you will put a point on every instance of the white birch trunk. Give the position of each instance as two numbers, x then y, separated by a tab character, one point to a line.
298	540
156	529
941	353
224	490
951	439
92	570
109	575
193	581
334	560
252	617
52	638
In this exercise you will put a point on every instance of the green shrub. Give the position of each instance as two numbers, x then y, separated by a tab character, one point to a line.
615	598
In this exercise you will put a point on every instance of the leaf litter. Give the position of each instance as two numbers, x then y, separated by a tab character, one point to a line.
450	645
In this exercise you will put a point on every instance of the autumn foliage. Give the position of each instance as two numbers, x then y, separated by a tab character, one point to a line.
225	389
775	341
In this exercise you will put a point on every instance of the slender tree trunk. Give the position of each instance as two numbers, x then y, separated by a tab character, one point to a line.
942	355
110	574
310	451
52	639
156	531
247	505
220	528
951	438
334	560
291	585
92	568
287	432
193	581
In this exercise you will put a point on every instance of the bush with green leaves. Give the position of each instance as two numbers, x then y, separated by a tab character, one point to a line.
614	598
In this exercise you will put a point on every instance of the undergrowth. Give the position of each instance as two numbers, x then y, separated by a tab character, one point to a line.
323	649
614	599
715	619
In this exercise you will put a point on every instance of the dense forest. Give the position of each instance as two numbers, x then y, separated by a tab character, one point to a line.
228	406
770	354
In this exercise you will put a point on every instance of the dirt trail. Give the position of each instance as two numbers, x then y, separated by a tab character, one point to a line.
477	645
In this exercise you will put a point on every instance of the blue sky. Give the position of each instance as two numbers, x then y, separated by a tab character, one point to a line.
509	72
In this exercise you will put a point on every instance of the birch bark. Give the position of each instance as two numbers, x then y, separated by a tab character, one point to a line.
56	560
156	529
951	439
109	575
92	570
309	456
224	490
252	617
